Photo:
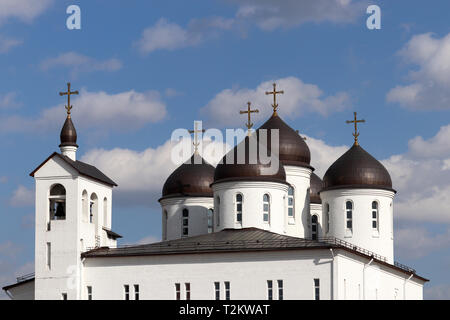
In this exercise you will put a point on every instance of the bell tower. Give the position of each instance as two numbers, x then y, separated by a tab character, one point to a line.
73	214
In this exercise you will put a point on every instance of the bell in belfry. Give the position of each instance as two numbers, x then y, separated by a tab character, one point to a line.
60	211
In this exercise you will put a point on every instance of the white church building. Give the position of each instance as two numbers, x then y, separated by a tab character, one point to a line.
228	232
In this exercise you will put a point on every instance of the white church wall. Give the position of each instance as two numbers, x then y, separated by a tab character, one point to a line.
172	224
360	279
299	178
252	205
380	240
247	273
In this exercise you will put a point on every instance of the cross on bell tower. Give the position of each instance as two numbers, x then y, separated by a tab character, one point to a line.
274	92
68	93
356	121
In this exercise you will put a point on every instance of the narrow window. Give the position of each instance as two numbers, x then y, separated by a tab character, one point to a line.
291	202
327	214
187	286
185	223
64	296
269	289
227	290
89	293
91	212
57	202
266	208
177	291
210	220
316	289
349	216
280	289
375	215
105	212
127	291
239	207
217	209
49	255
217	290
314	227
136	292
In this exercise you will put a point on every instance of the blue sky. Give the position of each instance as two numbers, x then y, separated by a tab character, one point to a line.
145	68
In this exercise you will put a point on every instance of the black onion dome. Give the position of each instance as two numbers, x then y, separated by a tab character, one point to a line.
192	179
68	134
357	169
293	149
248	171
316	185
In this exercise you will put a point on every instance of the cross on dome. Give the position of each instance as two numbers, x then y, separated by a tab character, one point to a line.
274	92
356	121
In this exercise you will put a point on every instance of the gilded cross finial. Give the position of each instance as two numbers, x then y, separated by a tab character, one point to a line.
356	121
68	93
274	92
196	130
249	111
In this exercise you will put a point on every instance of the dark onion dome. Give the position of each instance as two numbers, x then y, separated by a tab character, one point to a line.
357	169
316	185
248	171
293	149
68	134
192	179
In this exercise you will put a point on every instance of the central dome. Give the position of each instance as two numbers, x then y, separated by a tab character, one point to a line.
293	149
357	169
192	179
234	170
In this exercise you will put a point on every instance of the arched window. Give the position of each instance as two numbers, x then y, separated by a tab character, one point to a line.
210	220
185	223
165	224
93	209
217	210
105	212
349	215
375	215
314	227
57	201
239	207
327	216
291	202
266	208
85	206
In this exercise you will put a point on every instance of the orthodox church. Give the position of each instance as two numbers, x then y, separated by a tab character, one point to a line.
228	232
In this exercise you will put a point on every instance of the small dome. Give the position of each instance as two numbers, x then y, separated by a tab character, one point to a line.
68	134
357	169
314	189
192	179
247	171
293	149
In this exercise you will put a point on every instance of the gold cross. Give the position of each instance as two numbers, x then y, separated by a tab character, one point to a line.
356	121
68	93
195	131
249	111
275	92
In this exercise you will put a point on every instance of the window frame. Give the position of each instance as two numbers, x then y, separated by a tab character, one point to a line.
316	287
315	234
347	219
293	202
185	226
268	210
126	292
377	215
269	290
238	213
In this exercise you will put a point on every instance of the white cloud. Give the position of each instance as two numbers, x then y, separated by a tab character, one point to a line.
6	44
8	100
165	35
414	243
430	82
300	98
128	110
78	63
24	10
22	197
272	14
